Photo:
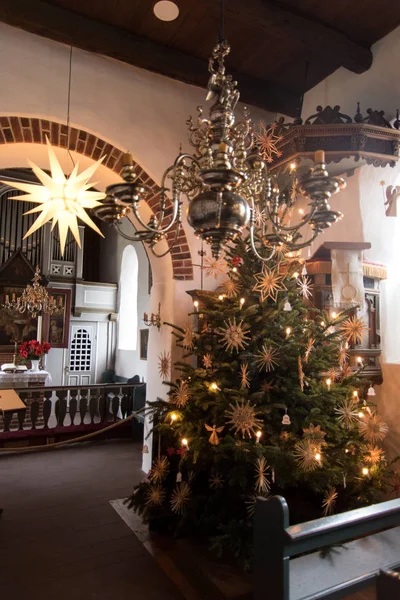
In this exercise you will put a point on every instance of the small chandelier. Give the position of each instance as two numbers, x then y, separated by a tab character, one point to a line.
227	184
34	299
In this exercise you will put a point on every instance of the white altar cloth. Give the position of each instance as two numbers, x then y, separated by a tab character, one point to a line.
26	379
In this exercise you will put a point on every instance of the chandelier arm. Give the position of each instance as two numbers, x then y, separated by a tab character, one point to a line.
253	247
293	246
304	221
171	246
134	238
159	230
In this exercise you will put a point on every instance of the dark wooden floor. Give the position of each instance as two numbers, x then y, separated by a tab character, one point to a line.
60	538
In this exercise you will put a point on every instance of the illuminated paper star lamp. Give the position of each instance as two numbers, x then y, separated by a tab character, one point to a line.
61	199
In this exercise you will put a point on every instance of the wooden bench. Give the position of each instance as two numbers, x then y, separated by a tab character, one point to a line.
278	575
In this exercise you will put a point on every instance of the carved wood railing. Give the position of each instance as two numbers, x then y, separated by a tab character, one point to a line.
53	412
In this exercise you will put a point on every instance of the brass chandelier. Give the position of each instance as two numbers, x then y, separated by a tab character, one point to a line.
227	184
34	299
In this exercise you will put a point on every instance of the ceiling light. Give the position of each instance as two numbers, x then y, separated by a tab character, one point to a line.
166	10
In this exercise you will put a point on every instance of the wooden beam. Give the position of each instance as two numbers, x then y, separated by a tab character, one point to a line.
317	40
82	32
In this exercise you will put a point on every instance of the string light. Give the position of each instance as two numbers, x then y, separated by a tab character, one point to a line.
258	435
220	297
333	315
318	456
365	471
214	387
301	211
355	394
234	269
184	442
242	301
196	305
173	417
322	323
360	415
293	166
329	383
360	361
296	275
288	331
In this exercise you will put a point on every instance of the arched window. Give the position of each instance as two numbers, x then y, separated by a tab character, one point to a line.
128	291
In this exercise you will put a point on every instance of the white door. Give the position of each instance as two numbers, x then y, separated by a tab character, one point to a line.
81	356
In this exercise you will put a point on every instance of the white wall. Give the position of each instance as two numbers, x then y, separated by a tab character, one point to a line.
377	88
363	206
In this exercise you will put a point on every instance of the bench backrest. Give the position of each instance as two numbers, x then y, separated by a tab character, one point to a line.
275	542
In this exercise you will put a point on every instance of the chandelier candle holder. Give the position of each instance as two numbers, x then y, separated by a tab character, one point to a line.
227	183
154	319
34	300
123	199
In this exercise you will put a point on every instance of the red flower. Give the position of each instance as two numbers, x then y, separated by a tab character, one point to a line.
34	349
170	451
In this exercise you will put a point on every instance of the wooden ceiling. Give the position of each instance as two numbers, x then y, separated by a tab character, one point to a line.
271	42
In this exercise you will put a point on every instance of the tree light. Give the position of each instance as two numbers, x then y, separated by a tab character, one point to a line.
293	166
288	331
329	383
322	323
355	394
360	414
173	417
214	387
360	361
295	275
220	297
196	304
333	315
258	435
234	269
301	211
184	442
242	301
318	456
365	471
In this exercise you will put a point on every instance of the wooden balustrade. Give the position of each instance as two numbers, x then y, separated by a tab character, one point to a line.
54	412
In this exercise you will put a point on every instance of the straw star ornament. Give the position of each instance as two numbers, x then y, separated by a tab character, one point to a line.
354	330
269	283
61	199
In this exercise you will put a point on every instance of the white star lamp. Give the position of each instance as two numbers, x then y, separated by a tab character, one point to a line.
61	199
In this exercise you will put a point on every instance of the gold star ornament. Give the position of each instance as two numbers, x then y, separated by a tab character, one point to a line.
354	330
234	335
164	364
243	419
61	199
269	283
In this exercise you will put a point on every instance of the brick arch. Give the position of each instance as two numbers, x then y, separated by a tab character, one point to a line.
26	129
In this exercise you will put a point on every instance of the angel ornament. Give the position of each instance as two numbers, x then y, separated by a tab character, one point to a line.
214	439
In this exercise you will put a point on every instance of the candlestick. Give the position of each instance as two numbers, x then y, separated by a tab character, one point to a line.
127	160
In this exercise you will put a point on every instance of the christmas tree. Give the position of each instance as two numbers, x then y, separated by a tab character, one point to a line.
266	403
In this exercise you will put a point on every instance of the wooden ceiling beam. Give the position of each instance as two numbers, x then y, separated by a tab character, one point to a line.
318	41
82	32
